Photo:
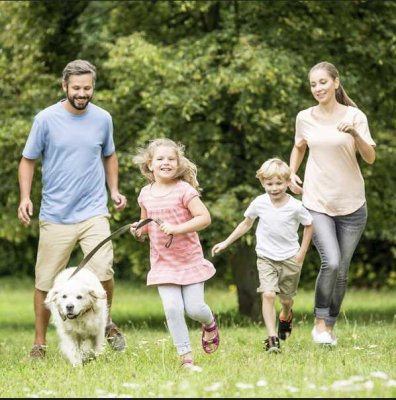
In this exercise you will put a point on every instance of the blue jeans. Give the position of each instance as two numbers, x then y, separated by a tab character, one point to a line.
335	239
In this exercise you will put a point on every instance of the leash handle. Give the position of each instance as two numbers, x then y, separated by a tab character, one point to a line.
158	222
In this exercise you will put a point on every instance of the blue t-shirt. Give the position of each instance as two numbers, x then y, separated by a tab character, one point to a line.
71	147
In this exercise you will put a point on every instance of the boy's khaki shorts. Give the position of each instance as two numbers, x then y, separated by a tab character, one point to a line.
281	277
57	242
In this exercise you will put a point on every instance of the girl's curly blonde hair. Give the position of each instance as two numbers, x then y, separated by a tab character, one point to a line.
187	170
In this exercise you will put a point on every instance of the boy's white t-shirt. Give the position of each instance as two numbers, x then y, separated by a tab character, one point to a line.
277	229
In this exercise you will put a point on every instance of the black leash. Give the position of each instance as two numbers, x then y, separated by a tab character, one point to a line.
113	235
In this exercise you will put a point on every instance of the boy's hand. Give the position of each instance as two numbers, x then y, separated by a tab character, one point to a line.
217	248
299	258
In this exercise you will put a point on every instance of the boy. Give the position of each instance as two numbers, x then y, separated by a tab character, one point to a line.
279	255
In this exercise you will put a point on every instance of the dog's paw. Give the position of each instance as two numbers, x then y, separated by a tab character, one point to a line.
88	357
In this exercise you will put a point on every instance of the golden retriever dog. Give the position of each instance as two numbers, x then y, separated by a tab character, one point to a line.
79	312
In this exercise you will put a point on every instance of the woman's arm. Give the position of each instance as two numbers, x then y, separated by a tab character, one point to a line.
367	151
296	158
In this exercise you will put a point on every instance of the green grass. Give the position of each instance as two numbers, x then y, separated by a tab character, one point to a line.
362	365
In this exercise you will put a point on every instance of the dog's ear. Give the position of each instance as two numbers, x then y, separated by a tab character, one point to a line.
51	296
98	294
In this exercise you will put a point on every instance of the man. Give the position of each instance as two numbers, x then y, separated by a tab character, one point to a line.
75	140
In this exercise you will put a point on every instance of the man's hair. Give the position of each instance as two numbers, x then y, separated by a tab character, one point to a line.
274	167
79	67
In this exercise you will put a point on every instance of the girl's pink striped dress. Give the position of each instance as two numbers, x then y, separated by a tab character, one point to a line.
183	262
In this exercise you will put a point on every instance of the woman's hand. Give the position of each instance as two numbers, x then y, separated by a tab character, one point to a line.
348	128
295	184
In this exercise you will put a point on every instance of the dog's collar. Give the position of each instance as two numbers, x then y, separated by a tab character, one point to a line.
64	317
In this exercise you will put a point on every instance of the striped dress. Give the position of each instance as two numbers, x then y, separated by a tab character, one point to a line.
183	263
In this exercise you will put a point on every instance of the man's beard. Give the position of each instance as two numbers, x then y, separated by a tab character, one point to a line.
79	106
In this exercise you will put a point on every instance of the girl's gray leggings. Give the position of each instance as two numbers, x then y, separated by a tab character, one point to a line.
178	300
336	239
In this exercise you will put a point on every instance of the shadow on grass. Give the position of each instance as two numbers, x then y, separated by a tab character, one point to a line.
233	319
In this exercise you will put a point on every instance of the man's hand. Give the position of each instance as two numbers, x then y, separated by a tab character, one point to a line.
119	201
25	211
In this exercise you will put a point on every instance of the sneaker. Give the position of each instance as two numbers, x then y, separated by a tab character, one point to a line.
272	344
323	337
114	337
38	352
285	327
334	339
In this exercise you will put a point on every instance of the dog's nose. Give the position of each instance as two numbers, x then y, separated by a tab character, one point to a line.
69	307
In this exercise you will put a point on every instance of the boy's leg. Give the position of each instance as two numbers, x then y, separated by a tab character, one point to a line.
269	313
286	311
289	278
268	271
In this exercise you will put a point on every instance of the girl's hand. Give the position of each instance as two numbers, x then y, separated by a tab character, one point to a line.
167	228
348	128
136	233
217	248
295	183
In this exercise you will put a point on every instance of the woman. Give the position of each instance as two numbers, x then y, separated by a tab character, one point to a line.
334	130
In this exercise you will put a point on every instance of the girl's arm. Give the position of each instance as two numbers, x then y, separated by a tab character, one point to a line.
296	157
200	219
239	231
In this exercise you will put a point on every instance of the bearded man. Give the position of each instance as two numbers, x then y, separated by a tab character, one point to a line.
74	139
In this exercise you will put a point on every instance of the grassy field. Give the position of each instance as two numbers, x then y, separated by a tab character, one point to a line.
362	365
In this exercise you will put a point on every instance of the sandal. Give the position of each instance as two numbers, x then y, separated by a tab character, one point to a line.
187	363
211	345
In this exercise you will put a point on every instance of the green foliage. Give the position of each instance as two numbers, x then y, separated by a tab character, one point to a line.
225	78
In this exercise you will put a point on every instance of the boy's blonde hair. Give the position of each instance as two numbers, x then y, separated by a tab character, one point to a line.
187	170
274	167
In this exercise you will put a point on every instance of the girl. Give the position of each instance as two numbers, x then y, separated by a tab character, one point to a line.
178	268
334	131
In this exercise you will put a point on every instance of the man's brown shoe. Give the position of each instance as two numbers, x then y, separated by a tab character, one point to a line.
114	337
38	352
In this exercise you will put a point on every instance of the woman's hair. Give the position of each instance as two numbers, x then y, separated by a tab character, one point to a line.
187	171
79	67
340	93
274	167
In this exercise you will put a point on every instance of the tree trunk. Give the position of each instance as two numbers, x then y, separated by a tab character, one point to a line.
244	268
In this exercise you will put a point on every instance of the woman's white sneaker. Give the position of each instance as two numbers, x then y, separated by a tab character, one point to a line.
323	337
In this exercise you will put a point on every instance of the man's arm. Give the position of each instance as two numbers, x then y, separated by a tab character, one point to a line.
111	168
25	178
